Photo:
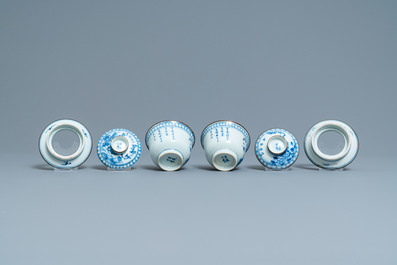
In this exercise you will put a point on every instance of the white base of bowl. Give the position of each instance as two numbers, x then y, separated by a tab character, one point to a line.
170	160
224	160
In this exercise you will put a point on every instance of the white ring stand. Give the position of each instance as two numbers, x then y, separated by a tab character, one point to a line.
60	161
337	161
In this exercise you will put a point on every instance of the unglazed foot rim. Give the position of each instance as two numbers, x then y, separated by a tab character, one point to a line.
224	160
170	160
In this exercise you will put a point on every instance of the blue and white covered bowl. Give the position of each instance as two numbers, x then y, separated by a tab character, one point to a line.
170	144
277	149
119	149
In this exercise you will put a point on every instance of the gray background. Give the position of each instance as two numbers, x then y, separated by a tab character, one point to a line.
264	64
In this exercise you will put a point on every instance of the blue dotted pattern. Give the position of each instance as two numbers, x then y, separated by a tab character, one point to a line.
119	161
164	124
282	161
229	124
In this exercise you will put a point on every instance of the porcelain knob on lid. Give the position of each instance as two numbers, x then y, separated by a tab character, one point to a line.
277	145
119	144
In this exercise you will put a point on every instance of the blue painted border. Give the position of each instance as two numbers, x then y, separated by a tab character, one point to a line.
163	124
230	124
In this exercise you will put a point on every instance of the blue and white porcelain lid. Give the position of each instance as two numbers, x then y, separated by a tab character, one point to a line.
119	149
277	149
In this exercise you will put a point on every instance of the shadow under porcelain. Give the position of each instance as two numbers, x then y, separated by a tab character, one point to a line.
256	167
156	168
50	168
211	168
263	168
99	167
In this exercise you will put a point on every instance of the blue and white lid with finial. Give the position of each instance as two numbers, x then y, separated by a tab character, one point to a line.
277	149
119	149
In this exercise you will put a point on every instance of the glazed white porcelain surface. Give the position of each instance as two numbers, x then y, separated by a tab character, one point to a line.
119	149
57	160
225	144
340	160
277	149
170	144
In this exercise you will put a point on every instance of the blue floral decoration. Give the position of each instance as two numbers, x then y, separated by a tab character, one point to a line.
119	161
282	161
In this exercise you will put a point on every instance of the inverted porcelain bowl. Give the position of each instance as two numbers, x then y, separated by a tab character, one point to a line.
170	144
225	144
